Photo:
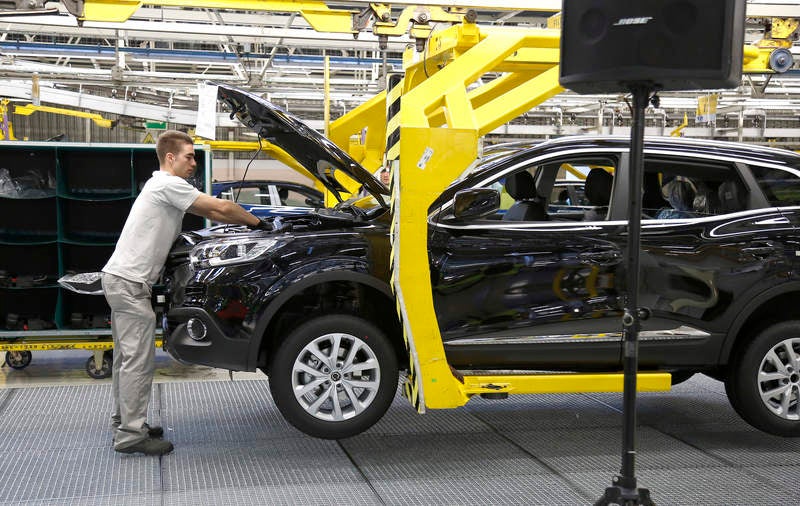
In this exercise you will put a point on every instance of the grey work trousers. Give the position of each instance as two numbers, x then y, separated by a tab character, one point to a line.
133	325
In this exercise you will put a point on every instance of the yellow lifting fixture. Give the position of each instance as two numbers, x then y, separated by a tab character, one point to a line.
6	127
28	109
442	117
267	147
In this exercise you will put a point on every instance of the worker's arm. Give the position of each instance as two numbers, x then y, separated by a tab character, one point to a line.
223	211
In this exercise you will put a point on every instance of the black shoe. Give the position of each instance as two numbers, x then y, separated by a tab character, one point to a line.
148	446
152	430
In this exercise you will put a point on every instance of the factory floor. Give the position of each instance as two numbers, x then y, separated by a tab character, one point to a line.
233	447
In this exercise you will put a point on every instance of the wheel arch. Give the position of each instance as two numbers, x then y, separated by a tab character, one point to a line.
770	307
371	298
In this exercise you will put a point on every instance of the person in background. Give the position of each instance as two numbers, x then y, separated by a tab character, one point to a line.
386	176
135	265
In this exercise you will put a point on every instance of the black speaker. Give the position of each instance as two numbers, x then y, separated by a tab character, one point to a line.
667	44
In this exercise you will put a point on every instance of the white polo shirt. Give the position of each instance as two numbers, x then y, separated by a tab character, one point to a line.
152	226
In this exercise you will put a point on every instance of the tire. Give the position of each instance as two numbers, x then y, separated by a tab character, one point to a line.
764	383
302	377
18	359
102	372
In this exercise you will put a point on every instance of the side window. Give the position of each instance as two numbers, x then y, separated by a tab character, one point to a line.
247	195
781	187
677	189
292	198
565	190
568	193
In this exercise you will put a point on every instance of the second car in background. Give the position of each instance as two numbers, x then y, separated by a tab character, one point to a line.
270	198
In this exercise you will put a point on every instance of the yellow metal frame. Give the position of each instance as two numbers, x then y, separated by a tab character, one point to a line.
781	35
5	122
441	119
28	109
274	151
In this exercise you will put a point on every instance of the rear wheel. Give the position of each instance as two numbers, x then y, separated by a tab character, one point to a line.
764	383
334	376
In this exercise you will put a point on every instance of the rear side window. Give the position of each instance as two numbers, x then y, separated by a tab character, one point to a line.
676	188
781	187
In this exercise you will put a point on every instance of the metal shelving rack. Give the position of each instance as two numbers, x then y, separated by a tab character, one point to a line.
69	223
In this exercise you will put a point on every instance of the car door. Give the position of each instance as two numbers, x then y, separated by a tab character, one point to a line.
537	293
705	258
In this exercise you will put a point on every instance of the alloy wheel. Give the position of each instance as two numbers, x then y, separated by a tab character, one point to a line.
779	379
336	377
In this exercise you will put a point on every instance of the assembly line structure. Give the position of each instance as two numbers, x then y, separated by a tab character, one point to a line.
459	84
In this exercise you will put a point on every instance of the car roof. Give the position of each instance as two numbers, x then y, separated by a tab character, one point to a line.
221	185
712	148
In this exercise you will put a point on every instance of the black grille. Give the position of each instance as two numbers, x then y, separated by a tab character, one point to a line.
194	292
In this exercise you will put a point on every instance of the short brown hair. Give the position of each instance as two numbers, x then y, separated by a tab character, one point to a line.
170	142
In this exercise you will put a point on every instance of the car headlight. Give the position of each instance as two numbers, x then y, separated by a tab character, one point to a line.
231	251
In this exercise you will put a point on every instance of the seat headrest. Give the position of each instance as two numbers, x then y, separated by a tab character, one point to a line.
731	196
680	194
521	186
598	187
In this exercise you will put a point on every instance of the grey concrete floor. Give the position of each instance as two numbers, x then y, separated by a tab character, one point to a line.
233	447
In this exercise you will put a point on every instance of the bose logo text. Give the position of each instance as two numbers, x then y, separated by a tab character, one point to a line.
633	21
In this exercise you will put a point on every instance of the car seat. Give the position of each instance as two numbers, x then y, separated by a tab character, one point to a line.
529	206
598	192
680	194
732	197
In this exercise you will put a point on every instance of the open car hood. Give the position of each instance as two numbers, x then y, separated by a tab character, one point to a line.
321	157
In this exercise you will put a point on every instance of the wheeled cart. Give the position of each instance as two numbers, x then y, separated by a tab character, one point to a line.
18	347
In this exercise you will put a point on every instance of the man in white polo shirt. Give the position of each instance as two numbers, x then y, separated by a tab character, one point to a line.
136	264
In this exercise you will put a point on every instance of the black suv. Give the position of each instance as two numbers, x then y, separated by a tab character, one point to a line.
522	284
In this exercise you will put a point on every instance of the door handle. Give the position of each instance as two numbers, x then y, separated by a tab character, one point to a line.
603	257
760	251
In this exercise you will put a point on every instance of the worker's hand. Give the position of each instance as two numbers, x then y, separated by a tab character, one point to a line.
261	225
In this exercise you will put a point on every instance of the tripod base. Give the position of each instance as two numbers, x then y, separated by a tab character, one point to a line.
625	497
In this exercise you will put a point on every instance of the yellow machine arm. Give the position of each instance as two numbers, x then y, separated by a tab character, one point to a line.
267	147
443	114
772	52
6	127
28	109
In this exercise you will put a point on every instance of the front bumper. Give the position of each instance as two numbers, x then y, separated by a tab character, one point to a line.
216	349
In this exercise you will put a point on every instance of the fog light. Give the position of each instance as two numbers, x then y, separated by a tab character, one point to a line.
196	329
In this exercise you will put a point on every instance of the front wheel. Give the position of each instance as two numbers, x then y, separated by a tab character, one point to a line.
764	383
334	376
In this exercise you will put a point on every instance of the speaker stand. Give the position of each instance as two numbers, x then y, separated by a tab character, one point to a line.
624	490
